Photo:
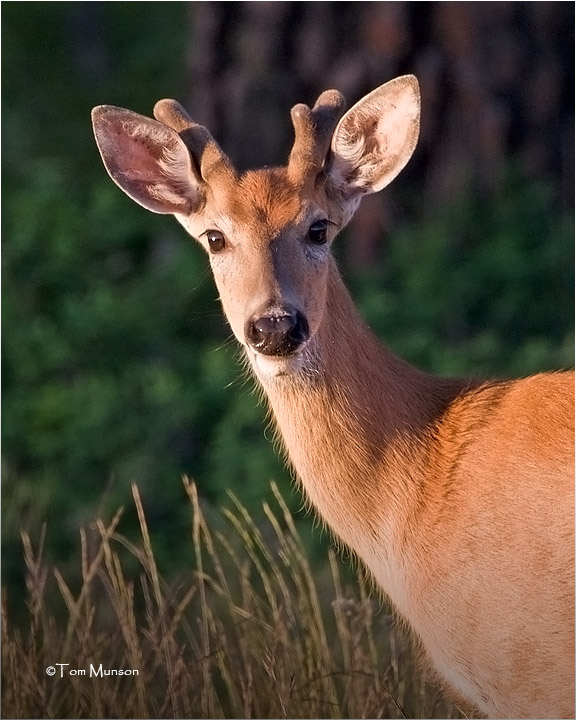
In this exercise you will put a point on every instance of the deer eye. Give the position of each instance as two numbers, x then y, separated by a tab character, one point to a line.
216	240
317	232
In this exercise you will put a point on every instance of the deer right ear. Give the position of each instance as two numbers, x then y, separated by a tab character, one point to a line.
376	138
147	159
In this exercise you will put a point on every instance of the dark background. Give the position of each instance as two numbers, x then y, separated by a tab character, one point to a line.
117	364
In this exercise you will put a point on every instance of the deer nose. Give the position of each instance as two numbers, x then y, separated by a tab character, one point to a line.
277	332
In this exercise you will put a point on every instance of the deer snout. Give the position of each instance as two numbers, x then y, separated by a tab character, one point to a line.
277	332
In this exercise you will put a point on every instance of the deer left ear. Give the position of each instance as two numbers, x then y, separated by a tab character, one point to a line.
376	138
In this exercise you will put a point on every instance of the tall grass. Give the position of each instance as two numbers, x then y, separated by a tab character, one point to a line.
252	632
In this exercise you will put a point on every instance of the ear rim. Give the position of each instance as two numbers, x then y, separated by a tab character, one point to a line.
407	82
106	119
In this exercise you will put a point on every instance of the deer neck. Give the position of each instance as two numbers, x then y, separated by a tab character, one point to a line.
356	427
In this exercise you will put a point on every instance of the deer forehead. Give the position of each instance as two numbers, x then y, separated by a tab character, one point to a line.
262	203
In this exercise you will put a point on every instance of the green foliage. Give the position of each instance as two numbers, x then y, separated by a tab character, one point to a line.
484	289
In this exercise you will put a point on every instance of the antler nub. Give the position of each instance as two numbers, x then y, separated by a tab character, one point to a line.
313	132
171	113
205	150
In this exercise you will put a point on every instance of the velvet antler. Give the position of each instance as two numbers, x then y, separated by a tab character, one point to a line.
313	132
205	150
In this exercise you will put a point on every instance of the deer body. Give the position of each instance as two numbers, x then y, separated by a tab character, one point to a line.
439	524
457	495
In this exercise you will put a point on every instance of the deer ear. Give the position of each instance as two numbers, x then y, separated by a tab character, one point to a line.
147	159
376	138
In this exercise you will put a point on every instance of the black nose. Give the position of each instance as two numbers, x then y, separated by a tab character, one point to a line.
277	332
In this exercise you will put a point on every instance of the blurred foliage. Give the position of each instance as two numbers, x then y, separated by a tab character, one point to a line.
117	364
483	288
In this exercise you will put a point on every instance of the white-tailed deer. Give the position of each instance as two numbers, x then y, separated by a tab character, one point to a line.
457	495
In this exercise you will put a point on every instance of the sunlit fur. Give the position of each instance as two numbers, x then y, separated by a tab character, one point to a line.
457	495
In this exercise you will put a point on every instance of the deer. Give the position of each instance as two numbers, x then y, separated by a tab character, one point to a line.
457	495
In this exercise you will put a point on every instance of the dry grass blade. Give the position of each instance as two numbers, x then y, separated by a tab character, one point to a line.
153	574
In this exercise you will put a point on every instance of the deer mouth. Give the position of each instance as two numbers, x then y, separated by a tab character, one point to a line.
267	367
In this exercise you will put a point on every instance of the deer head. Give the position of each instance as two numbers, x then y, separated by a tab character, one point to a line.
267	232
